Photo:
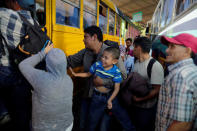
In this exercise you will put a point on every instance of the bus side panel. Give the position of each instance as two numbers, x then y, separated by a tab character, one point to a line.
48	17
114	38
67	38
70	43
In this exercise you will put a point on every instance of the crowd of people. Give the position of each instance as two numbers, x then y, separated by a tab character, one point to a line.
41	99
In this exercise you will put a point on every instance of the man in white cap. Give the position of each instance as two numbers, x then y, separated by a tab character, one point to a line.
177	105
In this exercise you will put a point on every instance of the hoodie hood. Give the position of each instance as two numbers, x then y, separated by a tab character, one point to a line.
56	62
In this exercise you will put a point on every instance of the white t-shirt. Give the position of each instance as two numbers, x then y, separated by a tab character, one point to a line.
157	74
157	77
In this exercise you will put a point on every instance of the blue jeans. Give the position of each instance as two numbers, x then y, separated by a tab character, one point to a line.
16	95
97	112
3	109
122	116
84	112
5	82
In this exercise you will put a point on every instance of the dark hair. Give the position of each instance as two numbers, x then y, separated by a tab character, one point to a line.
129	39
91	30
144	43
115	52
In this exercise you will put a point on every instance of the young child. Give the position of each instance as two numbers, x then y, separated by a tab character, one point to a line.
106	68
105	96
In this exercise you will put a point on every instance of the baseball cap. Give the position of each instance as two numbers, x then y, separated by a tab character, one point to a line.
185	39
26	3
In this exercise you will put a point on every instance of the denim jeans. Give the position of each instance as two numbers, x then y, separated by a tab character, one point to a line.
122	116
5	81
84	112
3	109
97	112
16	95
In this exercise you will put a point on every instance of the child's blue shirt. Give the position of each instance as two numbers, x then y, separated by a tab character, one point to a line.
113	73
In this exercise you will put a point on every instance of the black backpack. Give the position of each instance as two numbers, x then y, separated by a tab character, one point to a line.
33	42
111	44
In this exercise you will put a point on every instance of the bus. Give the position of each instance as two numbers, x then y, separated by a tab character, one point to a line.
65	20
171	17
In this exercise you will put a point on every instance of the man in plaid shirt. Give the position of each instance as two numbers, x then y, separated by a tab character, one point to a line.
13	86
177	105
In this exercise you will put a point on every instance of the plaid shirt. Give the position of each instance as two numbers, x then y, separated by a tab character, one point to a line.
178	95
13	30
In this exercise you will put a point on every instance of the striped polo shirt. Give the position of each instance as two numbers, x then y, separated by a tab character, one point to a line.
113	73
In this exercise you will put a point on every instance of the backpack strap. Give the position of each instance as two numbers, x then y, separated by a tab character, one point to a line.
149	67
34	27
28	23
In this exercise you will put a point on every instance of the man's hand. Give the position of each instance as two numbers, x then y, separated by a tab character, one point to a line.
137	99
98	81
48	47
73	73
109	104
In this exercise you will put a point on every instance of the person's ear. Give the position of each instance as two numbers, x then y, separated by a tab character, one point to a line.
115	61
188	51
95	37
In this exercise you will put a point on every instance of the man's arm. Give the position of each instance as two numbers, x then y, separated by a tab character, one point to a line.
157	77
121	66
84	74
153	93
76	60
180	126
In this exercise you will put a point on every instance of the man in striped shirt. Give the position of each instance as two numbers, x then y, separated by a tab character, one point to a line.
177	105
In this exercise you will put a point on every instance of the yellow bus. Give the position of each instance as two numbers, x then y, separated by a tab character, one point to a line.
65	20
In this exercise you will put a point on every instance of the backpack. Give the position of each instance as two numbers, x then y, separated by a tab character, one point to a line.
136	85
111	44
34	41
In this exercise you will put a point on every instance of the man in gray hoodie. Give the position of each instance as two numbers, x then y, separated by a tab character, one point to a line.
53	88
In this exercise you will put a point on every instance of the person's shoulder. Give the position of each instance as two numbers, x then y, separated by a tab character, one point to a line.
156	64
189	71
82	51
4	12
98	63
116	69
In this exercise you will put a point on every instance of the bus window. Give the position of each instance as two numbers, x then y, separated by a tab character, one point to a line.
89	13
167	12
118	23
103	18
130	31
111	22
40	12
122	28
157	19
182	5
67	12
